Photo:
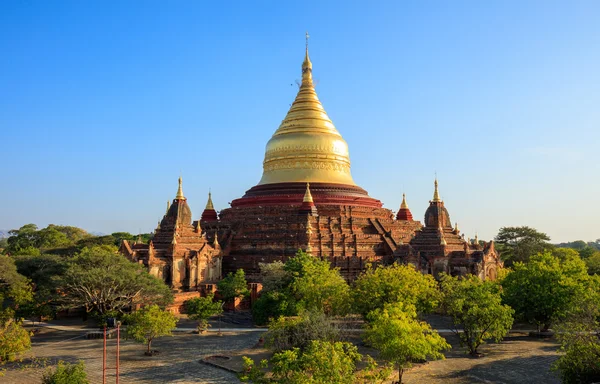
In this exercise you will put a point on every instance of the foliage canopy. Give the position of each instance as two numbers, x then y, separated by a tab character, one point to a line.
520	243
396	283
148	323
402	339
545	289
476	309
102	281
201	309
66	373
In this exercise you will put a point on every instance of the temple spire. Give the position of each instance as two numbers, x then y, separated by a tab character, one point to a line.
209	203
436	194
403	205
307	196
307	66
168	206
180	191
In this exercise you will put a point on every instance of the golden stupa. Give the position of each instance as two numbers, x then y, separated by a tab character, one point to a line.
307	147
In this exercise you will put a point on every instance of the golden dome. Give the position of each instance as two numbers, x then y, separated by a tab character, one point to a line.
306	147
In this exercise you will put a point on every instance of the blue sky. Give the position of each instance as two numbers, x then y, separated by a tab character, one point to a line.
104	104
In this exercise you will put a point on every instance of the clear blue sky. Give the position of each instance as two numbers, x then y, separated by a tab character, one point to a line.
103	104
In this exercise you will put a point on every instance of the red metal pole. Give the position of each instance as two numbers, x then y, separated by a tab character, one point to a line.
104	359
118	343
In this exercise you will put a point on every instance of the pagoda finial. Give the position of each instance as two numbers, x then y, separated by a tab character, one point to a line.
307	195
456	227
216	240
180	191
436	194
168	206
476	239
403	205
209	203
307	65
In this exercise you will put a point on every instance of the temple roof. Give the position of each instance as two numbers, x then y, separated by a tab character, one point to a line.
436	214
306	147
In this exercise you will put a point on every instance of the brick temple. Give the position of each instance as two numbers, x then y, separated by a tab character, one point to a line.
306	199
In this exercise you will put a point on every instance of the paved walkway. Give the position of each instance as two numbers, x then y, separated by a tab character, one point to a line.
178	361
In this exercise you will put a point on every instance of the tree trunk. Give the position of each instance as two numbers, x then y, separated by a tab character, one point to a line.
400	373
149	342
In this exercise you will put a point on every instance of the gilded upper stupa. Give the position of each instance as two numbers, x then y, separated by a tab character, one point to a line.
307	147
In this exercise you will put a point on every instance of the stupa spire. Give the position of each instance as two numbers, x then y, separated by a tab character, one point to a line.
436	194
209	203
307	147
179	195
307	196
307	65
403	205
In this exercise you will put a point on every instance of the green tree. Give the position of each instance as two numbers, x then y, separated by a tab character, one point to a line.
272	305
15	291
578	335
587	252
148	323
402	339
316	286
14	339
304	282
14	287
520	243
66	373
24	237
45	272
233	286
593	263
545	289
298	331
274	277
476	309
102	281
201	309
322	362
393	284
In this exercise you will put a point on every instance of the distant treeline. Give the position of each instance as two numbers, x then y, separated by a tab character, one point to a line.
60	240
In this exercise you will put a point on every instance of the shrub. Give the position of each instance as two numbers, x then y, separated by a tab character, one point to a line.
66	373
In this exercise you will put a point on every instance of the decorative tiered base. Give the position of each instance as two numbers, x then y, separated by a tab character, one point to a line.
293	193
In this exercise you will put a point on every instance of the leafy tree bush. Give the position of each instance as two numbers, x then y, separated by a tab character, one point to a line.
520	243
201	309
66	373
593	263
28	240
272	305
304	282
233	286
148	323
402	339
45	272
102	281
581	362
476	309
298	332
322	362
545	289
14	339
14	292
579	338
274	277
393	284
316	286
